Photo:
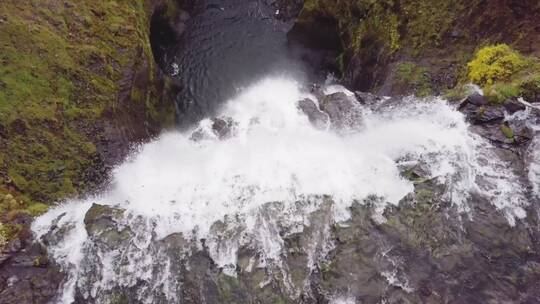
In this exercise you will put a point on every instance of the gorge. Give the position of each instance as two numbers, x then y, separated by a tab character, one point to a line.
322	152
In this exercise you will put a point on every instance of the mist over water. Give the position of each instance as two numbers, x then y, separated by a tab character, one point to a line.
265	179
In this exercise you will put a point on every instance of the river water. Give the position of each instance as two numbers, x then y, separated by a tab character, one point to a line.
227	46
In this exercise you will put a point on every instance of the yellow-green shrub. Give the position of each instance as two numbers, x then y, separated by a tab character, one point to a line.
495	63
3	236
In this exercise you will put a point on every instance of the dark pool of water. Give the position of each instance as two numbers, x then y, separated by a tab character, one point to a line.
228	45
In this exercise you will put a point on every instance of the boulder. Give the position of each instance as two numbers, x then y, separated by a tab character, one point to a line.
478	110
368	99
317	118
104	225
477	100
223	127
512	106
343	111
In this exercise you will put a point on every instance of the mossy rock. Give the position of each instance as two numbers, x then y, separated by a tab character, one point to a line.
70	72
507	131
415	79
60	72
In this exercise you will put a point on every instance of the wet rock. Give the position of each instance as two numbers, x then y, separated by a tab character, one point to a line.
27	276
512	106
343	111
479	111
317	118
477	100
104	225
288	9
368	98
315	39
199	135
317	90
494	134
223	127
353	267
425	250
489	115
489	121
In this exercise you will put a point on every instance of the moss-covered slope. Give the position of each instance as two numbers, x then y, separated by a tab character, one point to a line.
78	83
431	39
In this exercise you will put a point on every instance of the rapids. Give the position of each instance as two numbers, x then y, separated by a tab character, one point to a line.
264	181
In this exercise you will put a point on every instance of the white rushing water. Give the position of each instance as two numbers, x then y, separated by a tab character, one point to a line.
179	185
534	169
528	118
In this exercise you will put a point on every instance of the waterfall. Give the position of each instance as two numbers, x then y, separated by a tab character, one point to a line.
257	174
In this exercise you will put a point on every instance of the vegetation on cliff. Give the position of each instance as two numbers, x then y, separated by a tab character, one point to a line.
504	73
71	73
495	63
439	37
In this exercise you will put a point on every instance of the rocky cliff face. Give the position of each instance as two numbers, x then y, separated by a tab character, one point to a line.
416	46
78	87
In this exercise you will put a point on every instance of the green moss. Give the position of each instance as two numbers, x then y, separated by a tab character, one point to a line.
426	22
60	71
424	195
311	5
507	131
61	66
228	286
500	92
393	33
7	232
529	87
414	78
37	209
40	261
4	236
118	298
412	24
457	93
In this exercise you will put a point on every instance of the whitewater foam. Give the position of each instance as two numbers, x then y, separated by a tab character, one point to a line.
532	122
273	172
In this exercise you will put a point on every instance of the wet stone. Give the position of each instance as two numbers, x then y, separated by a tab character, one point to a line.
223	127
316	117
343	111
